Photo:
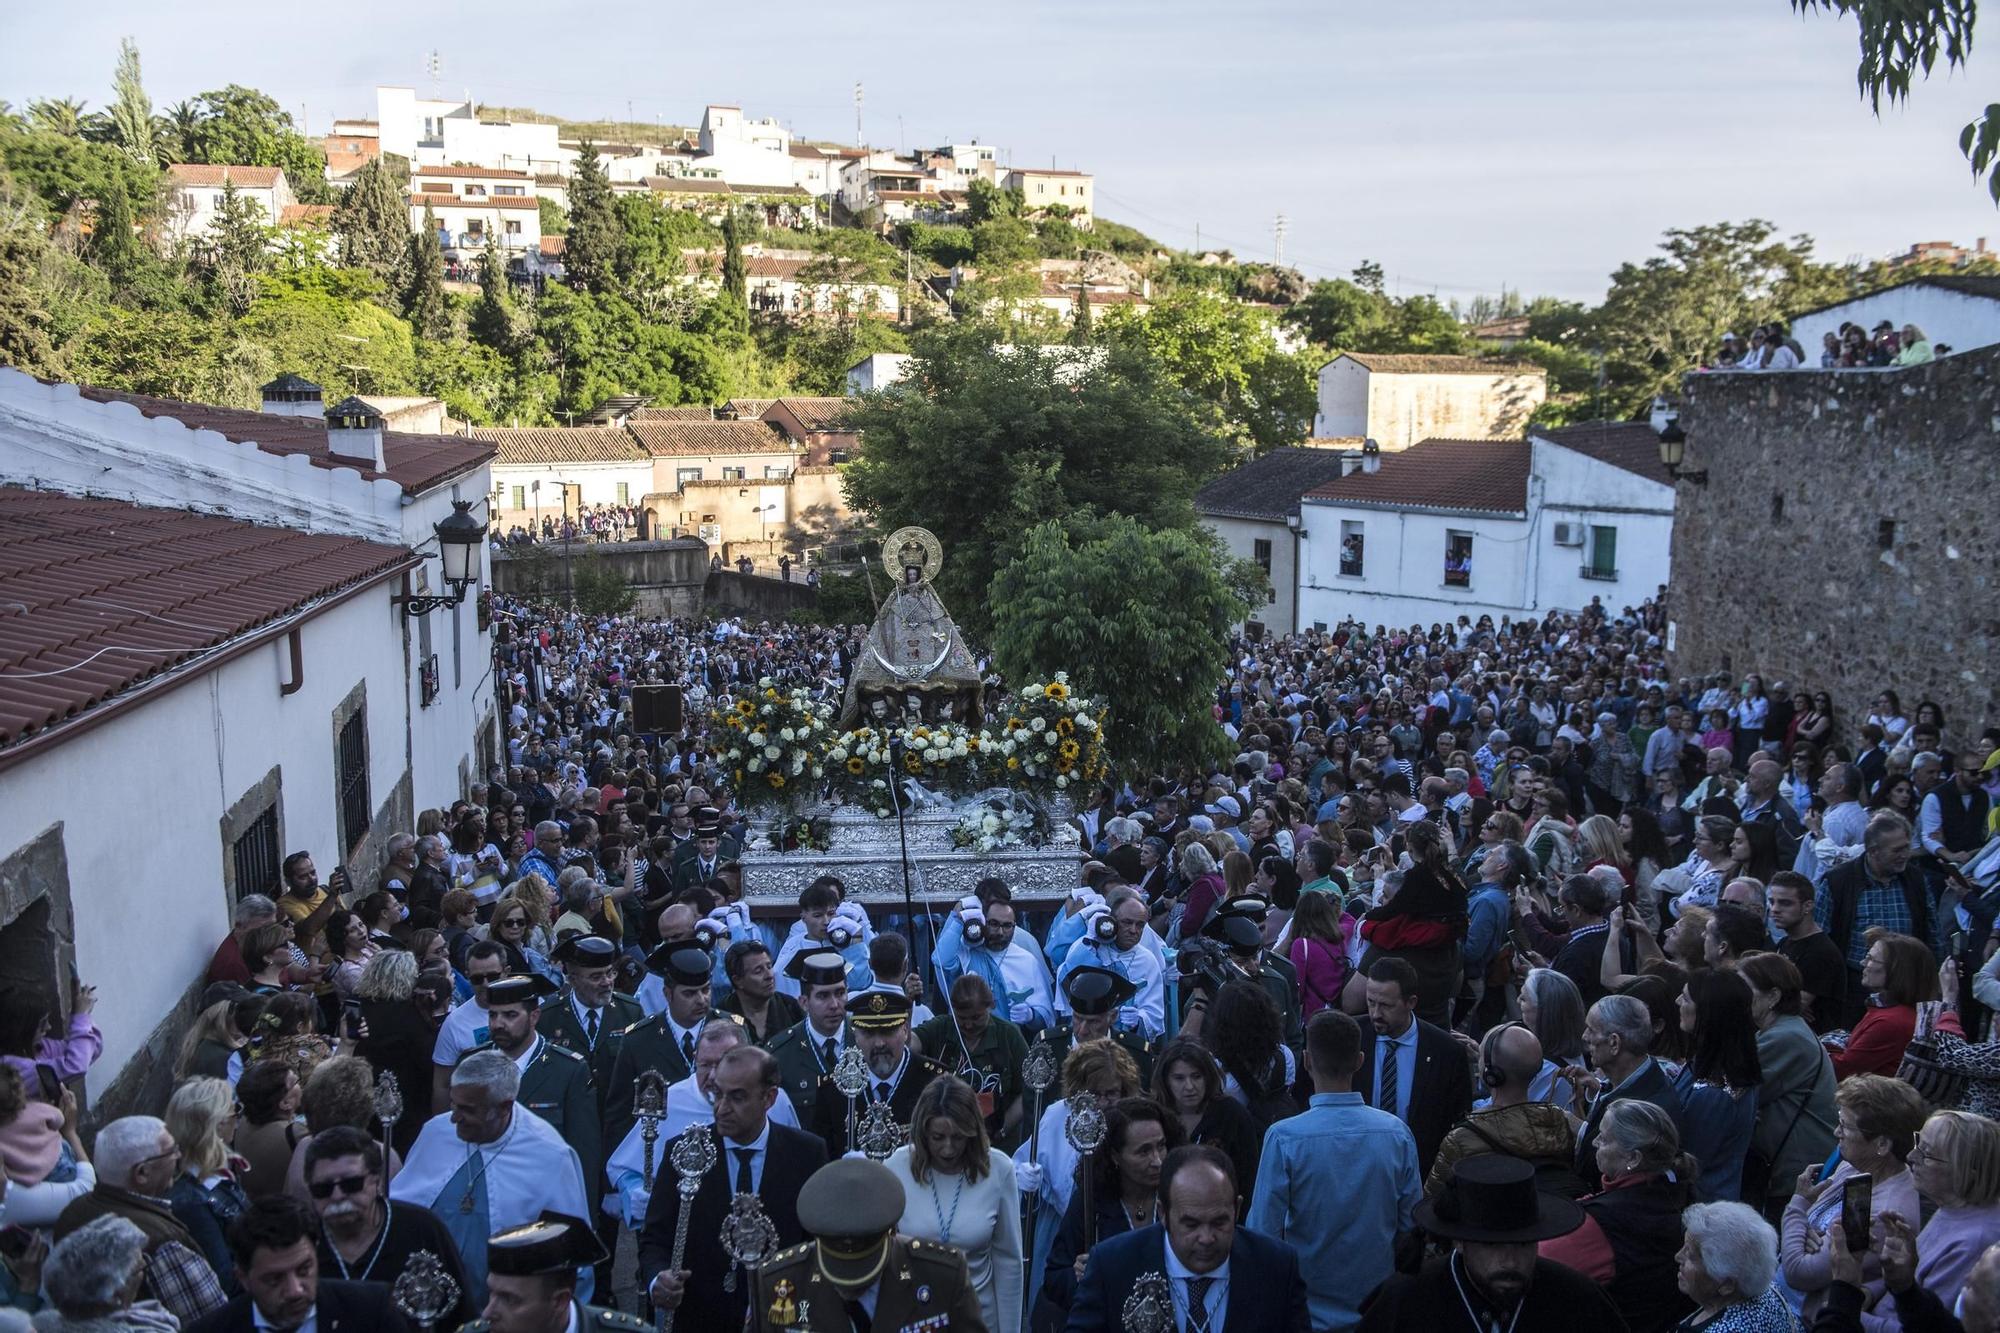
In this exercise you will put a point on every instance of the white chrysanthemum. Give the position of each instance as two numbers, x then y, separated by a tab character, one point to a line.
1035	724
772	752
818	771
785	735
1061	781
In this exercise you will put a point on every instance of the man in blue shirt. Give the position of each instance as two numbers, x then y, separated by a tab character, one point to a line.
1339	1183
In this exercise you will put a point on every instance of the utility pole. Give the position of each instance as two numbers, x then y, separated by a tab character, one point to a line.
1278	241
859	142
434	64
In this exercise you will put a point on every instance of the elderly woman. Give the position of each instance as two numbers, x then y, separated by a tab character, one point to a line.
1632	1228
1123	1195
206	1196
1727	1263
400	1036
1188	1082
1205	887
1795	1100
1880	1119
1718	1081
1900	973
958	1190
1956	1164
269	1092
92	1279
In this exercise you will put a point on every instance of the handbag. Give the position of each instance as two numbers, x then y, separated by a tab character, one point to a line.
1941	1087
1757	1167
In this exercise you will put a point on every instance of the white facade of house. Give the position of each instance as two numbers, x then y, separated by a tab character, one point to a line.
1273	546
743	151
877	370
1397	408
434	133
198	191
1520	564
594	483
1074	190
465	224
1959	319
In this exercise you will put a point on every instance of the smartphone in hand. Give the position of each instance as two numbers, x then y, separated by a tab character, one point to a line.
1857	1206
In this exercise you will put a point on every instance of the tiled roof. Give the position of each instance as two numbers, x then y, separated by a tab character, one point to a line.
415	462
686	185
1631	445
1439	365
560	444
340	164
219	174
301	215
747	409
1055	287
467	173
783	190
1046	171
692	438
1963	284
1268	487
816	414
97	596
461	201
675	412
1481	476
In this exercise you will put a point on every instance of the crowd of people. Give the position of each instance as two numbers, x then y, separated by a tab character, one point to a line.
1772	347
1500	979
586	523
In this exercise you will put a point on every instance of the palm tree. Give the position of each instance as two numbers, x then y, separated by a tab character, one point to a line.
10	119
179	133
59	115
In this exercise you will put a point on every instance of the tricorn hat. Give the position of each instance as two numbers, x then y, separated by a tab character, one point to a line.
1492	1199
553	1243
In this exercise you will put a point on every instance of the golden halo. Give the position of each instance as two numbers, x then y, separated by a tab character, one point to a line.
893	546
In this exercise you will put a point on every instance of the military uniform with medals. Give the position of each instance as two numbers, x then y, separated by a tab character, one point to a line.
553	1246
857	1273
560	1023
876	1011
650	1043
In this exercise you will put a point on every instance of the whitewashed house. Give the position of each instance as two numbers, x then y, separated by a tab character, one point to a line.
196	191
1254	508
1399	400
1487	527
207	636
552	470
1961	312
432	133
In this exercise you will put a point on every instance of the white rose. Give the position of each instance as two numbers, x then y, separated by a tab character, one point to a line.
1061	781
1032	692
1006	747
785	734
1035	724
818	772
837	754
772	752
878	783
769	710
756	765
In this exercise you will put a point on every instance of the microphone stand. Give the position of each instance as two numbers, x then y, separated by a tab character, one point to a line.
917	962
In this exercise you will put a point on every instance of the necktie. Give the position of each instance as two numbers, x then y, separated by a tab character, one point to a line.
828	1053
1197	1294
743	1156
590	1028
882	1092
857	1315
1386	1094
687	1048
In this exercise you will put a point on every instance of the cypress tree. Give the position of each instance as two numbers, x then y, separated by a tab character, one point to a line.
590	248
424	302
372	221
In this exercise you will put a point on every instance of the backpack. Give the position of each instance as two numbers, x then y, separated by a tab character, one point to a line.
1557	1175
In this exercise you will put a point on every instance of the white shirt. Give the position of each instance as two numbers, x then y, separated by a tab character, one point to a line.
1217	1303
463	1028
263	1325
759	1150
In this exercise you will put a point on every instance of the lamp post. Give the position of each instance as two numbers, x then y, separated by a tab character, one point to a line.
1673	449
459	538
536	487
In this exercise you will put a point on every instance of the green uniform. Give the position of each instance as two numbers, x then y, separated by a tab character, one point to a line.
782	1012
589	1319
830	1104
924	1286
556	1085
560	1025
1140	1049
801	1067
647	1044
993	1067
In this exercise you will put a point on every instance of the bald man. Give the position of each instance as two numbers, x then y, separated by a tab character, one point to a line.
1508	1122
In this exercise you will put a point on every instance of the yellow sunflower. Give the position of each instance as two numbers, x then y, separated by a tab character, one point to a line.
1013	724
770	694
745	707
1065	726
1070	749
913	764
856	767
972	745
1012	763
1057	690
776	779
922	733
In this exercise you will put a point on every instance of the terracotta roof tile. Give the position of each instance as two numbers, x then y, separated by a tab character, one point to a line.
1631	445
702	438
815	414
467	173
1268	487
97	596
415	462
219	174
1480	476
461	201
303	215
675	412
1439	365
560	444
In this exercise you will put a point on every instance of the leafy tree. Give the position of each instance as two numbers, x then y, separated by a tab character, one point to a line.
1137	617
843	599
492	324
979	446
372	222
1224	354
597	588
179	133
333	334
1420	324
1368	277
1337	313
652	274
819	351
985	201
555	219
942	245
62	169
114	244
132	112
168	353
236	249
59	115
590	247
25	321
424	301
598	347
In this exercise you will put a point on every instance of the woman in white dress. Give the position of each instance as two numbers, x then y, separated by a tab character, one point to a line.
959	1190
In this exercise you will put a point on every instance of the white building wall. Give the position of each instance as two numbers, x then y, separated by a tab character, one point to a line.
599	483
1402	578
195	206
878	371
1240	536
397	122
1568	487
1406	409
1945	316
511	145
1343	400
174	766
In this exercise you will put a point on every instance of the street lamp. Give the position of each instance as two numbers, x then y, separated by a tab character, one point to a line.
459	539
1673	448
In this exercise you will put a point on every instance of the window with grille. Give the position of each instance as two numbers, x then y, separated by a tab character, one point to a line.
353	778
255	855
1261	553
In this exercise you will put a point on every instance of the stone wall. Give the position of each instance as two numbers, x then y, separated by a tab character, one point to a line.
665	577
1846	537
755	595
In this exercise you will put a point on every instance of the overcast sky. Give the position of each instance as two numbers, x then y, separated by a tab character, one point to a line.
1464	145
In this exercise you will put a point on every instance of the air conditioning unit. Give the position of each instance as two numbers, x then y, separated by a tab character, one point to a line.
1569	534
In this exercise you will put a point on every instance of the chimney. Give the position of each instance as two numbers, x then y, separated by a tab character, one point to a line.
292	395
354	434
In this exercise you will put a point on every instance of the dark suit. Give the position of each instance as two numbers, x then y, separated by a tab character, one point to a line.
1266	1293
1650	1084
1440	1092
792	1158
830	1104
645	1045
343	1307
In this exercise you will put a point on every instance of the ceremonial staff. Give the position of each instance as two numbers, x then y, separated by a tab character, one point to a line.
850	1075
1038	1071
693	1157
1085	1132
649	1102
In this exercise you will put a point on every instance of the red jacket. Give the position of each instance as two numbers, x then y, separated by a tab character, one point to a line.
1877	1043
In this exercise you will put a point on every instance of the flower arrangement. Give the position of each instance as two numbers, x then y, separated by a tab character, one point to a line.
801	835
1053	738
775	742
1001	819
858	770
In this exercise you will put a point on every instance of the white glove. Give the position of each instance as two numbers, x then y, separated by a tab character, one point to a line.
637	1201
969	903
1020	1012
1083	893
1096	912
739	915
972	916
857	920
1028	1177
720	919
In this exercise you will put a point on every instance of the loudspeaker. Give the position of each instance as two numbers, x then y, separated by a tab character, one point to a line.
656	709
